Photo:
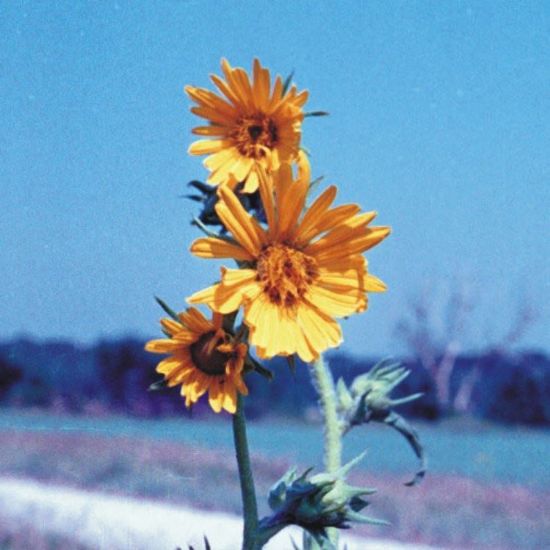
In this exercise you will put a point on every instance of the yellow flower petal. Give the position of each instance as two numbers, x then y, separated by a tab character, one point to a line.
258	126
206	146
239	222
211	247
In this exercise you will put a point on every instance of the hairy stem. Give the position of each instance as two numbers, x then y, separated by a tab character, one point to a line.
250	508
324	384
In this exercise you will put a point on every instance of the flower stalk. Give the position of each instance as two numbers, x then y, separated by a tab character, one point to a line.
324	384
248	493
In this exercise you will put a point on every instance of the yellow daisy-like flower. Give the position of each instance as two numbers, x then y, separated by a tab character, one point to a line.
203	358
251	126
299	273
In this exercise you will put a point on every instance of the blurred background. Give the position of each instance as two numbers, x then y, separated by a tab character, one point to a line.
438	120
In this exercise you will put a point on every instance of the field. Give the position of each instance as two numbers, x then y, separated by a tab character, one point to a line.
487	486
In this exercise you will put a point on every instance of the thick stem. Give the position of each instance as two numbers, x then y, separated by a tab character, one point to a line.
324	384
250	508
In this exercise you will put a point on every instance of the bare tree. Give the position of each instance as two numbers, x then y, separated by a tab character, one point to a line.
435	334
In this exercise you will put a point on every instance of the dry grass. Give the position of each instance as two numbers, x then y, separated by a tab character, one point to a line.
446	510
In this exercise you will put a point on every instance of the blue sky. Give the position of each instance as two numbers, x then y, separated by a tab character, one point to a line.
439	121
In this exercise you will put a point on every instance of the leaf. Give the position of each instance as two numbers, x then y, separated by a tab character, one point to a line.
397	422
196	198
316	113
204	188
167	309
259	368
196	221
287	82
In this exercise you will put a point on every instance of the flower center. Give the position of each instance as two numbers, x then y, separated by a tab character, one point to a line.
205	355
252	133
285	273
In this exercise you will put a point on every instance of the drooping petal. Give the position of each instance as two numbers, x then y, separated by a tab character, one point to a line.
211	247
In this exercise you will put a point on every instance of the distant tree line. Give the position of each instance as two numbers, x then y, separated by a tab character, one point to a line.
113	377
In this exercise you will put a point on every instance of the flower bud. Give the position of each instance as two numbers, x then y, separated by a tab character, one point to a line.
368	398
317	502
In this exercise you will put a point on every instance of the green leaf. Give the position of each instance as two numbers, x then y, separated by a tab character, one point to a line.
316	113
196	198
260	369
168	309
287	82
196	221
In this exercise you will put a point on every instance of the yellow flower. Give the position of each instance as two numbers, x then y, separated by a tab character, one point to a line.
203	358
251	126
299	273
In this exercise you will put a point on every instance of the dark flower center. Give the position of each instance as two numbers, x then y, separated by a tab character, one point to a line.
205	355
252	131
255	132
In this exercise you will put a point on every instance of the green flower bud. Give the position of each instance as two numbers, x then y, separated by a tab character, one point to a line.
317	502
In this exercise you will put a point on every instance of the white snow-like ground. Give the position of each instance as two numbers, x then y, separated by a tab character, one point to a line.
119	523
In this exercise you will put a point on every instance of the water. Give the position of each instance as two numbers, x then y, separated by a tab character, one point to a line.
480	451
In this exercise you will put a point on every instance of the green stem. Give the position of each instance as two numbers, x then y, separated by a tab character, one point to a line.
327	398
250	508
324	384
